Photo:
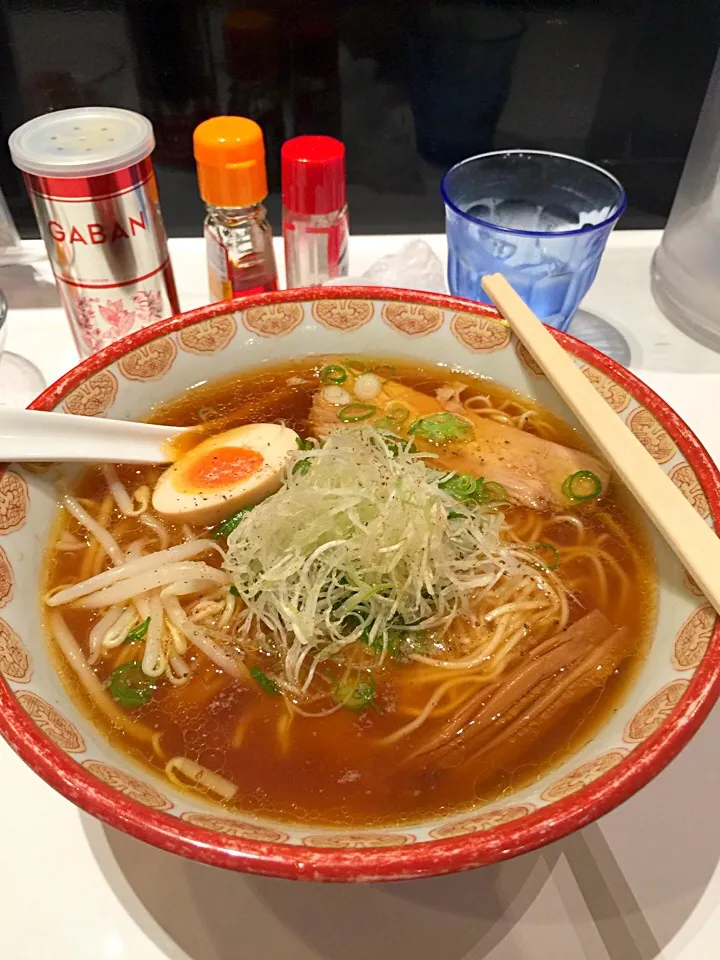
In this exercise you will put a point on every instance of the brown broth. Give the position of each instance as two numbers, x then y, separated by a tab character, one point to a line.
330	770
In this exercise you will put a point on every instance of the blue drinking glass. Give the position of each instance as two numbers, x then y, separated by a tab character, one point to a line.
541	219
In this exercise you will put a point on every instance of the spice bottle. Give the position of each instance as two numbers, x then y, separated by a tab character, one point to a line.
230	157
90	177
315	217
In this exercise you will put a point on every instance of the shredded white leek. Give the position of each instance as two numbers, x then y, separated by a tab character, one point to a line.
364	545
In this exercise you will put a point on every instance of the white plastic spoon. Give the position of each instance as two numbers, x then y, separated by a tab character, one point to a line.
36	436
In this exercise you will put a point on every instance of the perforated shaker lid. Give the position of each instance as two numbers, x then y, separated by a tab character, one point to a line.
81	142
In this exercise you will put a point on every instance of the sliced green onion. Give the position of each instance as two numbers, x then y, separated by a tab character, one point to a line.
397	412
454	515
395	642
392	442
304	444
355	599
548	554
385	424
130	686
234	591
492	492
226	527
382	367
355	693
268	685
139	632
353	412
461	487
356	366
583	485
441	428
301	468
332	373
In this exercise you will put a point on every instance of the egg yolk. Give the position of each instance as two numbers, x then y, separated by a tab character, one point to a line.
221	467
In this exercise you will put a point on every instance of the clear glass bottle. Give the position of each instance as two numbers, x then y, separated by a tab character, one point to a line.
230	157
239	251
315	215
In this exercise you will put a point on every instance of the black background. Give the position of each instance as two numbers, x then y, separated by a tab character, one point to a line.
410	86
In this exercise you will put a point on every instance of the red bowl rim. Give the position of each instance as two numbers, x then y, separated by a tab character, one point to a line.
427	858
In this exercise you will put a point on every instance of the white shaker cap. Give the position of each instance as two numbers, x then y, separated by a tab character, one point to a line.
81	142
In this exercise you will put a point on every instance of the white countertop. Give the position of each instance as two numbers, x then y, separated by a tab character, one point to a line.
642	883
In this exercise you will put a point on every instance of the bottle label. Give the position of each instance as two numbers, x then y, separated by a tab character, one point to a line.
106	243
219	281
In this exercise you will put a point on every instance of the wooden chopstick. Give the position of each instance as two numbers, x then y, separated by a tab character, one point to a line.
693	541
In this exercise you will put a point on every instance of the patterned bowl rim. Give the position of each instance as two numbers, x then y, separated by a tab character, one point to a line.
432	857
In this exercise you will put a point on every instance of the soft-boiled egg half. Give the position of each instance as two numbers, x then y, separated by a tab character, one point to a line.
218	477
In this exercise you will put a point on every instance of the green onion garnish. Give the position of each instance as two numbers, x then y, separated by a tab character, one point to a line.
234	591
397	412
548	554
356	366
139	632
333	374
301	468
492	492
304	444
226	527
130	686
441	428
395	642
268	685
461	487
583	485
353	412
355	693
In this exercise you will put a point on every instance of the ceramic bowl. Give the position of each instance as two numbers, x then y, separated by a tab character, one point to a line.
673	692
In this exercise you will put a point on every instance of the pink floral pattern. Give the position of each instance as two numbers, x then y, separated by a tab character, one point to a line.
148	307
87	321
116	317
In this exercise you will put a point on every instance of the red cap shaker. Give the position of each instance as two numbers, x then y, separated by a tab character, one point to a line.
315	219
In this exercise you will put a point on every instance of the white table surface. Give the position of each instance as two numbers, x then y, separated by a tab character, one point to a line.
642	883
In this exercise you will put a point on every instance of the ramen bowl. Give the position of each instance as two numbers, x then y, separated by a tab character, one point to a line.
672	693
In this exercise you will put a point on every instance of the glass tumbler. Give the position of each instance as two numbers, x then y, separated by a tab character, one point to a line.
541	219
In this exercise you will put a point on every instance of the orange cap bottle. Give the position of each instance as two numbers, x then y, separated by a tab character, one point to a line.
230	157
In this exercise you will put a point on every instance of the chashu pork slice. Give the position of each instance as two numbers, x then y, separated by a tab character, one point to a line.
531	469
